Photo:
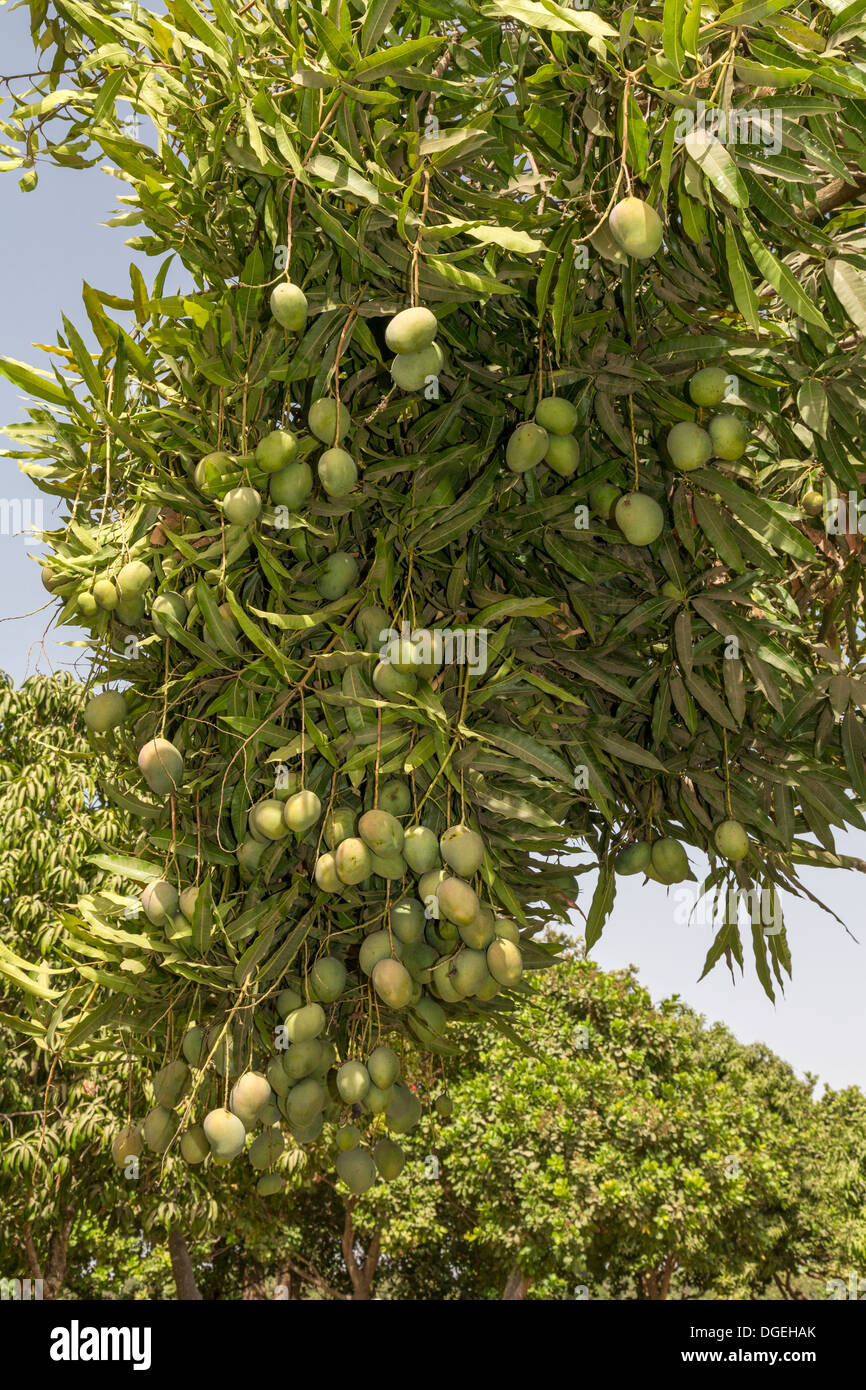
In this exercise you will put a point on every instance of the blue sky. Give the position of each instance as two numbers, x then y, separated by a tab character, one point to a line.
53	241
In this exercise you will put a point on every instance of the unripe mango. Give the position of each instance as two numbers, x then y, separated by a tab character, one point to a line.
729	436
160	901
347	1137
324	423
269	1184
248	1095
375	947
407	919
377	1099
634	859
411	371
389	1159
390	866
636	227
411	330
169	605
278	1080
669	861
127	1143
707	387
370	624
353	1082
106	594
242	505
249	854
325	874
338	574
404	1109
328	979
266	1148
267	819
288	1000
276	451
526	447
161	766
194	1146
225	1133
640	518
339	825
420	849
688	445
301	811
133	578
479	933
192	1046
603	498
395	798
160	1127
105	711
303	1058
357	1170
470	971
383	1066
289	306
291	486
353	860
338	472
428	884
556	415
458	902
213	472
462	849
392	982
171	1084
504	962
305	1023
731	840
432	1014
563	455
390	683
381	832
443	982
305	1101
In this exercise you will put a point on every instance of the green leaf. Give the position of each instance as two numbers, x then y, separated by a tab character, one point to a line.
813	407
780	277
758	514
849	286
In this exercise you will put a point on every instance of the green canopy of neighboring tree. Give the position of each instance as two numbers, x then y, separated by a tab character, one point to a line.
636	1152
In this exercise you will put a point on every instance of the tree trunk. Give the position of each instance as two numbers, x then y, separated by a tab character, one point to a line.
53	1275
656	1283
516	1285
361	1275
181	1268
254	1281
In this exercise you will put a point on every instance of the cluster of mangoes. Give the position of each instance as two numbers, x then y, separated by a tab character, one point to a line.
665	860
419	359
548	439
304	1087
290	479
418	949
689	445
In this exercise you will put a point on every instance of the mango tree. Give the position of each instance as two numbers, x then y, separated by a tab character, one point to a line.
451	496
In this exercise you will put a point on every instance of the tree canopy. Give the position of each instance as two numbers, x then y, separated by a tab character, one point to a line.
671	639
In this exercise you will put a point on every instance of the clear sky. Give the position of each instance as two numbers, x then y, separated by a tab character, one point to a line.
52	241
